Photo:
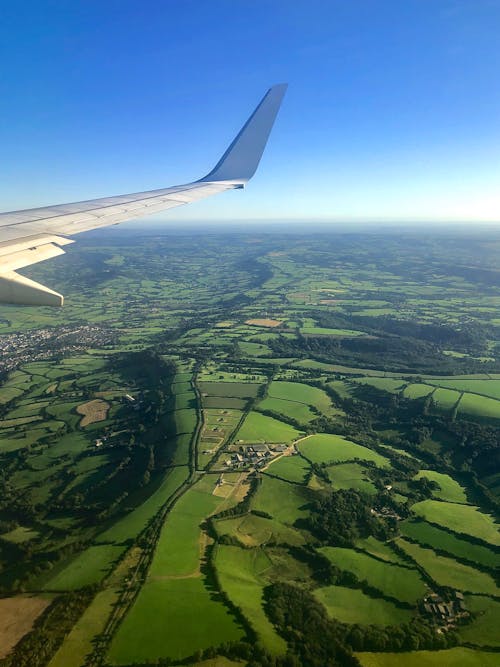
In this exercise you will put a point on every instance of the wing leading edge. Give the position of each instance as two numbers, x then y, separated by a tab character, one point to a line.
33	235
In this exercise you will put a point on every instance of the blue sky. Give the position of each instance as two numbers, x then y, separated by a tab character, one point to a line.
392	112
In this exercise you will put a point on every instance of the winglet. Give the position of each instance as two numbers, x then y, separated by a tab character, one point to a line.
239	163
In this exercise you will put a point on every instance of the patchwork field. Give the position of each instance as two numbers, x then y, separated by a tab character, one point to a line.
463	657
448	572
290	468
459	518
284	501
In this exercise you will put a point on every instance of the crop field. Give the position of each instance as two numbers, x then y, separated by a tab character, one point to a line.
459	518
326	448
449	572
18	615
290	468
284	501
260	428
483	631
160	623
434	537
355	607
240	571
93	411
391	580
255	531
449	490
463	657
230	389
350	476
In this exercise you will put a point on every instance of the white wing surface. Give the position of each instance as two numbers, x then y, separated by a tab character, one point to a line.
32	235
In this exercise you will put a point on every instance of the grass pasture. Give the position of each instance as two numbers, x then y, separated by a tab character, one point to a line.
350	476
452	657
326	448
89	567
178	548
260	428
239	571
290	468
483	631
284	501
417	390
449	572
298	411
229	389
350	605
462	519
161	623
392	580
445	399
479	406
379	549
300	393
449	490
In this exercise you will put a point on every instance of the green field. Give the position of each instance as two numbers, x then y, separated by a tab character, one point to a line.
131	525
394	581
379	549
350	605
298	411
300	393
260	428
350	476
445	399
479	406
459	518
326	448
449	490
453	657
178	548
239	572
160	623
448	572
483	631
435	537
417	390
290	468
88	568
489	388
282	500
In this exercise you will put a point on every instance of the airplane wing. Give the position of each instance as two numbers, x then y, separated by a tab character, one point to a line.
33	235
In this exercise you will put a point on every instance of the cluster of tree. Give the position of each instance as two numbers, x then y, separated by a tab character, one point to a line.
343	516
318	640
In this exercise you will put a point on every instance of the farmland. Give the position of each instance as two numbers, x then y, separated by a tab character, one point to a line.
198	428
